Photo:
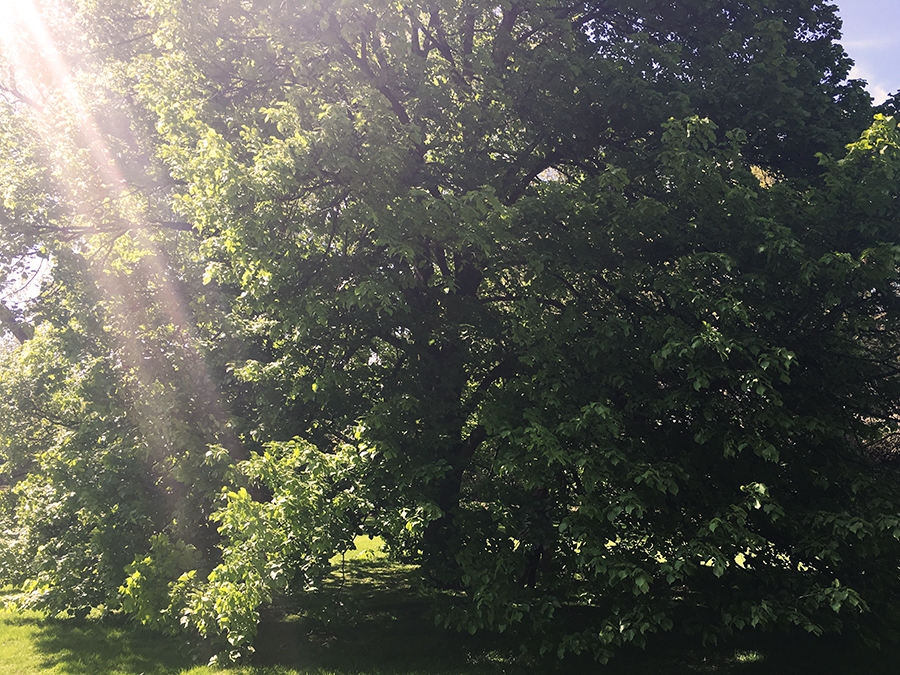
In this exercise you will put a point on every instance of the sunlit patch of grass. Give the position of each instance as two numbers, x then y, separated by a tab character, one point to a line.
17	636
365	547
747	656
32	643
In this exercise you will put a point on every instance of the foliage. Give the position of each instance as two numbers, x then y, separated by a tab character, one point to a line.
541	297
81	505
98	460
314	508
148	594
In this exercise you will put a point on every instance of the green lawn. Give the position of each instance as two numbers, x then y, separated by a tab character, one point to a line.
383	627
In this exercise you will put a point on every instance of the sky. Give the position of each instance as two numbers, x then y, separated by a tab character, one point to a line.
872	39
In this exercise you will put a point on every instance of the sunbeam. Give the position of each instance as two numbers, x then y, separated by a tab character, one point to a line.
42	83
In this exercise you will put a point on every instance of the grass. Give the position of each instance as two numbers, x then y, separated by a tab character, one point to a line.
32	643
383	626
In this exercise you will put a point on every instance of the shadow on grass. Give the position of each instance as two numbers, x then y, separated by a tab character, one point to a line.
105	646
385	626
372	618
379	622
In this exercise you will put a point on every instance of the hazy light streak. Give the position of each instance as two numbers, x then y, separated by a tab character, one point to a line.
39	76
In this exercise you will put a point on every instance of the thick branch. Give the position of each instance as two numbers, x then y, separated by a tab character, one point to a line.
9	321
365	66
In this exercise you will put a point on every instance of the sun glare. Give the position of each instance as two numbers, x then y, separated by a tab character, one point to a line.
36	76
25	46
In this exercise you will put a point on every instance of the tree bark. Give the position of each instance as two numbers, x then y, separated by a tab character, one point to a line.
9	321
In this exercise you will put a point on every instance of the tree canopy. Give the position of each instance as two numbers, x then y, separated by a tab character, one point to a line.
582	306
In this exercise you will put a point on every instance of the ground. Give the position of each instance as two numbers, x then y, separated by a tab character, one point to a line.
384	626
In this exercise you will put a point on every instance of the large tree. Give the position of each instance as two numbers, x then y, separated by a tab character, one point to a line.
576	304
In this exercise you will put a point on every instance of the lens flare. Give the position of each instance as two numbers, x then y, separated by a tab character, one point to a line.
39	80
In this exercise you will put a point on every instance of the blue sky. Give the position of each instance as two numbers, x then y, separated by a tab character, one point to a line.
872	39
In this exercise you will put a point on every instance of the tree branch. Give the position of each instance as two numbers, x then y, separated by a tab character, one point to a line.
20	330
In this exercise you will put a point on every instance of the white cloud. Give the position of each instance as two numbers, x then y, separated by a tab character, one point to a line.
874	85
885	42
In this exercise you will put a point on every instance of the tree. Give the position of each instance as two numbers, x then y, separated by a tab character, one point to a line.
105	436
113	433
543	298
